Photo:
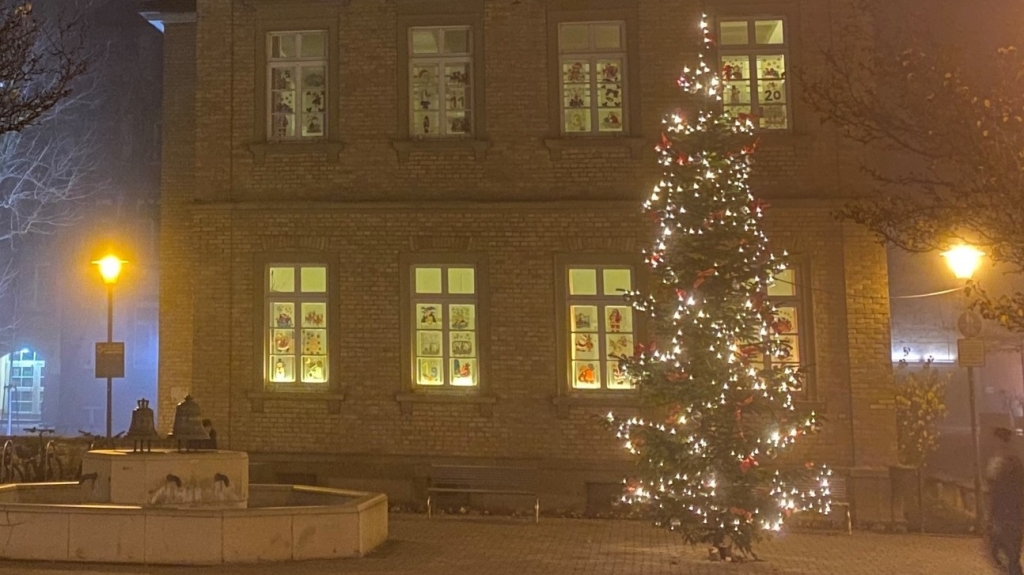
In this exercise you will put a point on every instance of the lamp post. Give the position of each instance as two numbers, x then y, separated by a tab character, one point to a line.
110	269
963	260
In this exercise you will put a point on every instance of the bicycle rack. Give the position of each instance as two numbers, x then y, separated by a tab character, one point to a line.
49	457
7	462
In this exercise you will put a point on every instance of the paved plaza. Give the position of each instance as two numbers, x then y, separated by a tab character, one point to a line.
491	545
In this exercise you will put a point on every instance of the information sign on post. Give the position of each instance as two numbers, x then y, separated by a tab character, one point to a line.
970	352
109	359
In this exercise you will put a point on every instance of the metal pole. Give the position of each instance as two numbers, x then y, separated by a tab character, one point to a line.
978	496
110	338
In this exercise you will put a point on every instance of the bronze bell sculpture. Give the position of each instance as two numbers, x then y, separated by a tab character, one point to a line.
142	431
188	426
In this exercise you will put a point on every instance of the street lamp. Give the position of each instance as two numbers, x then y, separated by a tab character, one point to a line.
110	269
964	260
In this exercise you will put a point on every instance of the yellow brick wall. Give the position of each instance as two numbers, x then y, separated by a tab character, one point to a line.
519	205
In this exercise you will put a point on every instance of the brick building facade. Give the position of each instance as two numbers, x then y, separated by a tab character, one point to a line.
315	144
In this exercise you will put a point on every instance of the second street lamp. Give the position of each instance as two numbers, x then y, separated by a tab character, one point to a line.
964	260
110	270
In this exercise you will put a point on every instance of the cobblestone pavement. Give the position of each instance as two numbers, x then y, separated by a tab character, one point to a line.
489	545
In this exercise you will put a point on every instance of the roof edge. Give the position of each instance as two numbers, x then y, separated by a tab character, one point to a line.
159	13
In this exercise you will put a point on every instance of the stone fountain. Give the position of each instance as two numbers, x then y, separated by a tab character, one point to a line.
184	505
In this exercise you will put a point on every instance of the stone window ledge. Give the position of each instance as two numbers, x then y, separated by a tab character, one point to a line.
261	150
630	400
485	402
556	146
405	148
333	399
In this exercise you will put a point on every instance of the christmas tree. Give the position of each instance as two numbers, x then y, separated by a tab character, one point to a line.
708	464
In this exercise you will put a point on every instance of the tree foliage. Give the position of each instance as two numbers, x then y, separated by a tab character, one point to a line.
920	407
39	63
707	463
945	144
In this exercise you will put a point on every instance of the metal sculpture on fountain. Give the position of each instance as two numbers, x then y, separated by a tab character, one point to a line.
188	425
142	431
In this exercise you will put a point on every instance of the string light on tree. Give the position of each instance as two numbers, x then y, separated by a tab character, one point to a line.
708	467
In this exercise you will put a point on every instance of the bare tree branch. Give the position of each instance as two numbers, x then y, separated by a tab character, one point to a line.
947	143
39	62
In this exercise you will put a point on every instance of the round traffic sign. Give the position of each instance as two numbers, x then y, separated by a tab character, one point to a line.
969	324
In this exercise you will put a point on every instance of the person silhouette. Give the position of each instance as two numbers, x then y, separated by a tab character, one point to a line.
1006	504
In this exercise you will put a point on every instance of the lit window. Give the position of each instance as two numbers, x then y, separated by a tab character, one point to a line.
445	326
601	328
787	295
592	61
21	386
753	56
440	89
297	74
297	322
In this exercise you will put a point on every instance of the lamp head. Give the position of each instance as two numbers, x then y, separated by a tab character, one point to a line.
110	268
963	260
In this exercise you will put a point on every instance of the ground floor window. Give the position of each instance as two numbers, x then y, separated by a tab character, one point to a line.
445	326
21	396
600	327
296	324
788	295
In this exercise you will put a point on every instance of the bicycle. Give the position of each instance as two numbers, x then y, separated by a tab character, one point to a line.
39	464
9	472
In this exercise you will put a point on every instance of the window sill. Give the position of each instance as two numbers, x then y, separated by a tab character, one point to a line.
332	398
405	148
261	150
609	400
556	146
408	400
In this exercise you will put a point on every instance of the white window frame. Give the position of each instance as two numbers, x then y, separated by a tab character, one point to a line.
601	301
445	299
592	55
296	63
441	60
9	383
296	298
752	50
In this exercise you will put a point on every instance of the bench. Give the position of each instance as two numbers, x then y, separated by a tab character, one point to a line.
483	479
840	497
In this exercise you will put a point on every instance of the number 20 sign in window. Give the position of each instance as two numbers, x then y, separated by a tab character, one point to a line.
753	58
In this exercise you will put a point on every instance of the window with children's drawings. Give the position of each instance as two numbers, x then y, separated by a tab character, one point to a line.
445	326
753	54
297	323
787	293
601	327
592	72
440	87
297	85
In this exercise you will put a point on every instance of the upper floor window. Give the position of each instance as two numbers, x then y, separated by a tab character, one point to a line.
753	55
445	326
440	89
592	68
297	73
601	326
296	324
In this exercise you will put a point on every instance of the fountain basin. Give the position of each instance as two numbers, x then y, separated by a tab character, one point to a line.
166	478
51	522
